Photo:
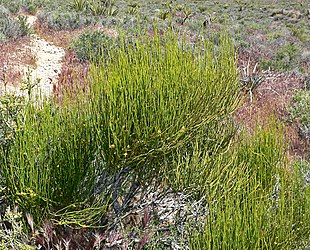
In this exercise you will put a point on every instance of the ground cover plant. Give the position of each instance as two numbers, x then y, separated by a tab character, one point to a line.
140	147
299	111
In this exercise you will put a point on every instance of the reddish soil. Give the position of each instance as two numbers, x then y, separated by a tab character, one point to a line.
272	98
60	38
13	56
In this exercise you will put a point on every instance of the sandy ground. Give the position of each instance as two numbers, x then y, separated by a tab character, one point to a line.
48	64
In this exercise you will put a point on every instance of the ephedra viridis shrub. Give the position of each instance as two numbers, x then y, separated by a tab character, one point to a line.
148	99
154	95
253	197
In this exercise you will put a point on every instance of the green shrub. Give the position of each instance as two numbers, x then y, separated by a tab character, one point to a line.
284	59
31	6
303	166
300	33
92	46
65	20
98	7
12	6
52	166
146	101
24	27
157	96
78	5
11	107
205	160
2	37
253	201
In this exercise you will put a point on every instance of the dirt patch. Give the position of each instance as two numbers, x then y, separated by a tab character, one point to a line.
34	60
13	56
272	98
274	93
60	38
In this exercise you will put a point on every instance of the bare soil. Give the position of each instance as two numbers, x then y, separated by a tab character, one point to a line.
33	59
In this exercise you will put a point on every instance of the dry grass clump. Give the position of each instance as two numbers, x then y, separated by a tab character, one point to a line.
73	72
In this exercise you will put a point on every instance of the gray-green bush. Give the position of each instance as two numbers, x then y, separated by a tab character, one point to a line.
299	112
10	27
65	20
92	45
